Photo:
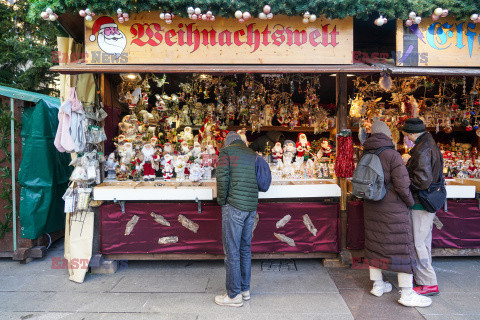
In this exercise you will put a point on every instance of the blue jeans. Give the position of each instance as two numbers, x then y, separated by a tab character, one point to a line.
237	227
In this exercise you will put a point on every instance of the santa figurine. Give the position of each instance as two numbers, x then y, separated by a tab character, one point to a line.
187	135
243	135
325	149
154	141
167	167
180	168
289	151
302	141
197	149
149	156
168	148
300	154
126	152
184	148
110	165
122	171
277	152
196	172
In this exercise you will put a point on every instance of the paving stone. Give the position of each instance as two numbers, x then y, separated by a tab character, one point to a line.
162	283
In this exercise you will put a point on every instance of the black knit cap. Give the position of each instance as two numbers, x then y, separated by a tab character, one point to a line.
413	125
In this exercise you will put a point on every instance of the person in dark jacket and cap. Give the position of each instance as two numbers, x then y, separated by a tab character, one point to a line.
237	193
388	230
425	167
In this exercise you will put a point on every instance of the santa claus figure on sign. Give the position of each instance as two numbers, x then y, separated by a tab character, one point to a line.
110	39
277	152
149	157
167	164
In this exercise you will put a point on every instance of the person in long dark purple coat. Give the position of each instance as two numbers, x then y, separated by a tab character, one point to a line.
388	229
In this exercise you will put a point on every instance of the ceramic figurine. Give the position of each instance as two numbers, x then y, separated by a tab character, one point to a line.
185	116
149	156
277	152
302	141
168	148
197	149
167	167
268	115
196	172
289	151
184	148
180	168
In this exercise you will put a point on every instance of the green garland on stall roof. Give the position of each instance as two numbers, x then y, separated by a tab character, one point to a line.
339	9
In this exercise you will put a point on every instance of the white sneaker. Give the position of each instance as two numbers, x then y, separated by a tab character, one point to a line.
379	289
225	300
246	295
413	299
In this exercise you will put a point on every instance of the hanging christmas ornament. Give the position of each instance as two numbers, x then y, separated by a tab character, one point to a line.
241	20
198	11
270	16
312	18
121	20
44	15
168	16
119	11
246	15
444	13
52	17
194	17
305	20
262	16
306	15
267	9
408	23
87	14
204	17
88	11
438	11
417	20
82	13
435	17
122	16
385	82
238	14
162	16
380	21
126	17
412	15
209	14
474	17
88	18
212	18
49	11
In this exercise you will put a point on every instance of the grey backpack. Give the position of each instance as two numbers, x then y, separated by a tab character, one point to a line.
368	181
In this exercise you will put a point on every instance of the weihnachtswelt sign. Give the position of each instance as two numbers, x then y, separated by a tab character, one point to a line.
146	39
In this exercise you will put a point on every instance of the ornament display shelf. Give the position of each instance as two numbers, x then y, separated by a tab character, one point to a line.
275	128
456	188
112	190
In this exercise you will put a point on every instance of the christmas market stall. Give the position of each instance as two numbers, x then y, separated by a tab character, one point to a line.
162	107
435	78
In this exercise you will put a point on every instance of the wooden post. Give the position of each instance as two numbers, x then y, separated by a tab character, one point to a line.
342	112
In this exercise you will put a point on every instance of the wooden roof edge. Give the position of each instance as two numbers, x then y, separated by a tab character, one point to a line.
76	67
429	71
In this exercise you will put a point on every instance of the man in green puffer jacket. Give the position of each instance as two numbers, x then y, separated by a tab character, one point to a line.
237	193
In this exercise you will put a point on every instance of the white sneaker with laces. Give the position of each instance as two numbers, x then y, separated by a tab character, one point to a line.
413	299
225	300
246	295
379	289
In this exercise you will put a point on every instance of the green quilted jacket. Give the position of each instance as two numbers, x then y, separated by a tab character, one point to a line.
236	178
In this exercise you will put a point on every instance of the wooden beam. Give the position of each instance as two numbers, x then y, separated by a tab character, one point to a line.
74	68
342	112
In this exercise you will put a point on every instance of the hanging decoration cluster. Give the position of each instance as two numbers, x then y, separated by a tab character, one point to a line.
439	13
122	16
48	14
413	19
242	16
307	17
475	18
167	16
380	21
196	14
87	14
266	14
